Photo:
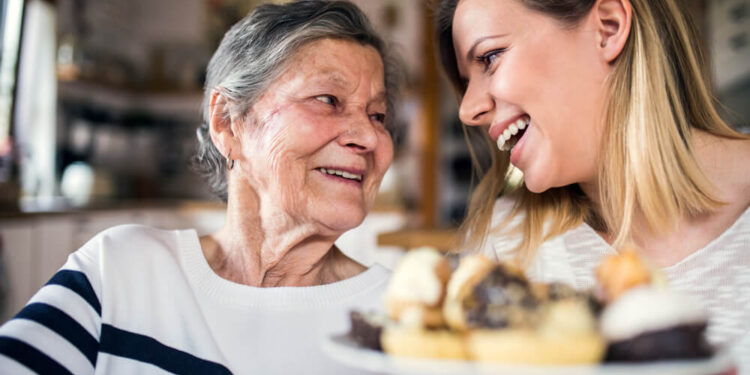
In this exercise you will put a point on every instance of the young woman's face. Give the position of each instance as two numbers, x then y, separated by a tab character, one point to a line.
525	69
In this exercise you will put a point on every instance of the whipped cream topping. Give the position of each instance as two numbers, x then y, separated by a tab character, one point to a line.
647	309
414	278
468	267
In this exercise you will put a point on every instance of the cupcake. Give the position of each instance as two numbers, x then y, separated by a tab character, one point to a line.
414	301
416	290
643	319
650	324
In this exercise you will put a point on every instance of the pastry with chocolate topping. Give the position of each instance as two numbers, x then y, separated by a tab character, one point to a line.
508	319
644	320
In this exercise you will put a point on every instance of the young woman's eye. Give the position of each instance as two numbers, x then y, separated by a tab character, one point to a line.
490	57
327	99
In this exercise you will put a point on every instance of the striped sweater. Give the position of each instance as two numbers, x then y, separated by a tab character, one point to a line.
137	300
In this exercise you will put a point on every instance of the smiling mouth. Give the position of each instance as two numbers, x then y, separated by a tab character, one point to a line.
342	174
513	134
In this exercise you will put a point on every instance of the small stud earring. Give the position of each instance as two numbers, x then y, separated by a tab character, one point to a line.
230	162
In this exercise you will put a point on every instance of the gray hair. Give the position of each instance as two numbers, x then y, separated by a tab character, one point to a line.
254	52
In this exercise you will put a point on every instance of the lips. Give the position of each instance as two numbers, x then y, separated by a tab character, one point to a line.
346	173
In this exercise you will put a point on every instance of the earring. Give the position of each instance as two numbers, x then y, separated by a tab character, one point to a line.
230	162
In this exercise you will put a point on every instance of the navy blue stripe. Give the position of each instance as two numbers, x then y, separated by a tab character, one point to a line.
65	326
79	283
146	349
30	357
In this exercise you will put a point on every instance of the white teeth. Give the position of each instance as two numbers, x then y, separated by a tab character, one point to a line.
350	176
513	129
506	134
500	143
335	172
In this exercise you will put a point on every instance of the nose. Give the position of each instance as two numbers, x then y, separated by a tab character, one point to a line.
476	105
360	134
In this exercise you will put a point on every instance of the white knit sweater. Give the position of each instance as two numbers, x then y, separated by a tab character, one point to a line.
718	274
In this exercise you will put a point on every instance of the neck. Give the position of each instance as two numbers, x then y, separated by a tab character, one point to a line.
721	160
267	248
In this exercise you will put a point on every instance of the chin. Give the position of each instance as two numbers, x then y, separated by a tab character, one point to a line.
344	219
536	185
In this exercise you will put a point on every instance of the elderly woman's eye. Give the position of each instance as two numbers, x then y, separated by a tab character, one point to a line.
378	117
327	99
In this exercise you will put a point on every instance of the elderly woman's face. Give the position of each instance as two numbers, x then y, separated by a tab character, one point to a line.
315	144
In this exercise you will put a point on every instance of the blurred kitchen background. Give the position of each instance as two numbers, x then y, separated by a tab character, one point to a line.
100	99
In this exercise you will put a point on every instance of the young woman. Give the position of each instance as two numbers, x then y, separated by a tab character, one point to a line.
604	107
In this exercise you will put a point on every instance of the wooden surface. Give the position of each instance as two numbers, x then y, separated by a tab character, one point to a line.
442	239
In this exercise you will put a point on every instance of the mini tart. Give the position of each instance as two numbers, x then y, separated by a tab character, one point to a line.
422	343
483	294
566	335
417	288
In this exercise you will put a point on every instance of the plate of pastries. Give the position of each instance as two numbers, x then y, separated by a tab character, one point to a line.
477	316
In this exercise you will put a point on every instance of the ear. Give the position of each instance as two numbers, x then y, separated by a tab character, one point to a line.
220	124
613	19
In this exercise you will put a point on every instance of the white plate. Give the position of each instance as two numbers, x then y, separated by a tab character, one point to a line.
342	349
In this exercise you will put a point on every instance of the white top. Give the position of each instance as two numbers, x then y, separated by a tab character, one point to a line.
718	274
137	300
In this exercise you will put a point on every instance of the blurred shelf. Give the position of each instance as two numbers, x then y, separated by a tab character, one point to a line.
180	103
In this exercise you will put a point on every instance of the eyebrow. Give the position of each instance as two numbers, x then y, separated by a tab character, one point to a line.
380	98
480	40
330	76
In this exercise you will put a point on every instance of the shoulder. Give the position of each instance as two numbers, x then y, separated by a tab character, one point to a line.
138	242
503	208
724	163
736	153
501	236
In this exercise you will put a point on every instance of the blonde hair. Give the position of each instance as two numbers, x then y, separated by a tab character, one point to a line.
658	93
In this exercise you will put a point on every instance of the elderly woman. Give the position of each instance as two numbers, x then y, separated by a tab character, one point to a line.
296	141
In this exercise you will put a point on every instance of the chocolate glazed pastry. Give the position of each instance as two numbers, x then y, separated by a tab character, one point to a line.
556	291
648	324
682	342
500	300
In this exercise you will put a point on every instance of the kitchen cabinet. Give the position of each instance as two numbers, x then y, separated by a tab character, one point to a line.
18	281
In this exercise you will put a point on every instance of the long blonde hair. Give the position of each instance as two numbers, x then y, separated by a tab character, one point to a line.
658	93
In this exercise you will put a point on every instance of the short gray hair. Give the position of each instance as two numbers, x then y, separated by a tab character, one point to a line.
254	53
